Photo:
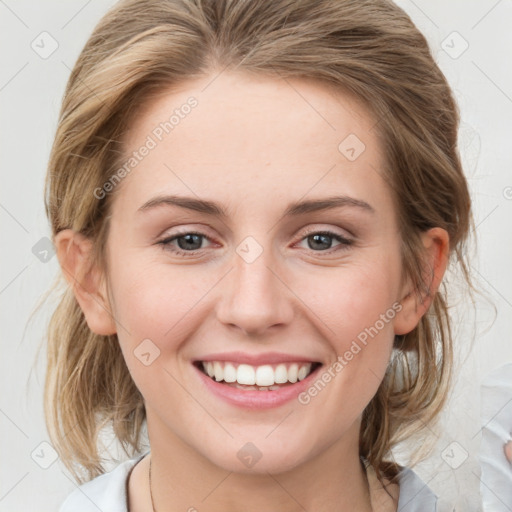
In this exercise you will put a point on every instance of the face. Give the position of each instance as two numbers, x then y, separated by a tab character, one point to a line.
262	283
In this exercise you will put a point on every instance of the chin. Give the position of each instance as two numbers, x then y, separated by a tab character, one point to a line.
259	458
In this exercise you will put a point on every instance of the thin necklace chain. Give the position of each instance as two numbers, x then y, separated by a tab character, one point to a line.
150	490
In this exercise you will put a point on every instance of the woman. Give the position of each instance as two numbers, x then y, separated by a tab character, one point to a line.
271	371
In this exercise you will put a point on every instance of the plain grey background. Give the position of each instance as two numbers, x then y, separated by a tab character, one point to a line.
472	43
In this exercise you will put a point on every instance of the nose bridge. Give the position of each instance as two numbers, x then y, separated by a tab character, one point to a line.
255	297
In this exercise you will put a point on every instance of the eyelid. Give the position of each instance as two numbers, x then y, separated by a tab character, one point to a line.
330	231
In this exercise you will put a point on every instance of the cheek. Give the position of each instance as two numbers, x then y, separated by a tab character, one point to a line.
358	305
152	310
152	301
349	300
359	311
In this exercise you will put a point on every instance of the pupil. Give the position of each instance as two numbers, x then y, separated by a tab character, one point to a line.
189	239
317	237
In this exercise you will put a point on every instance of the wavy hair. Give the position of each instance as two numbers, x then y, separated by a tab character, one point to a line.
368	48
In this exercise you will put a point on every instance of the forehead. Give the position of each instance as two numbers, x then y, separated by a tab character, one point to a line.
239	137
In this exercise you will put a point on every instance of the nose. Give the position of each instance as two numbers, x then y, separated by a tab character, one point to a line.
255	297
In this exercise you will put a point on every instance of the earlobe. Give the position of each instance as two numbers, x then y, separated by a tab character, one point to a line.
74	252
415	303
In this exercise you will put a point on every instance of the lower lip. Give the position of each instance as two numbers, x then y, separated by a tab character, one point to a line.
253	399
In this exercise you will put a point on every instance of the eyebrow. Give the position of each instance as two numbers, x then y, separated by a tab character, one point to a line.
294	209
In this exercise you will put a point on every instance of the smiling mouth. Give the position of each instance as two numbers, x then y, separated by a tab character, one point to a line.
268	377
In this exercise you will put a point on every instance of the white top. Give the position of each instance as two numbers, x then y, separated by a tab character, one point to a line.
108	492
496	420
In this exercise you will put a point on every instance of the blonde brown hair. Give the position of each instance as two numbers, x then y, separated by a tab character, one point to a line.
369	48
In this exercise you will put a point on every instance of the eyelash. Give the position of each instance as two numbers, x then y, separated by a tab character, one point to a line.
166	242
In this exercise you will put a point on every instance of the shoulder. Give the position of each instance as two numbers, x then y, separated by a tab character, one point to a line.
495	422
106	492
412	493
415	494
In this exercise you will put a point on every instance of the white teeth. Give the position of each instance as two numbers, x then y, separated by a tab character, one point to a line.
229	373
301	374
281	374
265	377
292	373
218	371
245	374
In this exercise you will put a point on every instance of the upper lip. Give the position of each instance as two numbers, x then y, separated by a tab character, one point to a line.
256	359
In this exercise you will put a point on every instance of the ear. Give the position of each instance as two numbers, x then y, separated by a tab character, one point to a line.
74	252
415	303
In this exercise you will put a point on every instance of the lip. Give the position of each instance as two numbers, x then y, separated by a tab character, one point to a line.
256	359
255	399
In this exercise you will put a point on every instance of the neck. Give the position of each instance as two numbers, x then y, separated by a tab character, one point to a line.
333	479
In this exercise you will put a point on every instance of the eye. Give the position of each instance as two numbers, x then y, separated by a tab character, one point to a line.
319	241
188	243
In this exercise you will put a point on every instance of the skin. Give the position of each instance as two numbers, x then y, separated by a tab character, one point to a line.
508	451
254	145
